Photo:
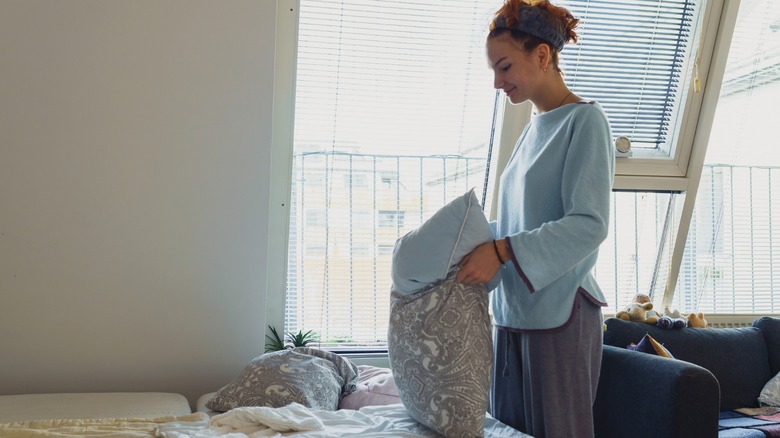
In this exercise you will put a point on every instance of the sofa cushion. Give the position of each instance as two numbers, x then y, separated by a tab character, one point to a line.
770	328
737	357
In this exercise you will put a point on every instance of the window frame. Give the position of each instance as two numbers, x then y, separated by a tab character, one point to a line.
718	40
643	172
280	177
636	173
681	173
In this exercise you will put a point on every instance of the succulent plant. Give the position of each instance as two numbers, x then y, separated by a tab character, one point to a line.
291	340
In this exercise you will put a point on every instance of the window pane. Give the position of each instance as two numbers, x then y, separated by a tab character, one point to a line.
395	115
733	249
631	57
635	258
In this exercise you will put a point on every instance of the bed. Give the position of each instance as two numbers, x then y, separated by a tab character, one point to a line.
293	420
26	407
372	409
112	414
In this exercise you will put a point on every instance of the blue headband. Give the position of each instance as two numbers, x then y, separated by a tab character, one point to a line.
536	22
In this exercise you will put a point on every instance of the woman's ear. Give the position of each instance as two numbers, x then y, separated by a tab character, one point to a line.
544	56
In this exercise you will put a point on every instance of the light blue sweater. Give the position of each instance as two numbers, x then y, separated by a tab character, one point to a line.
553	208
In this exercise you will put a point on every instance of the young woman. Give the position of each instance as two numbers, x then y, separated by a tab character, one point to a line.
553	213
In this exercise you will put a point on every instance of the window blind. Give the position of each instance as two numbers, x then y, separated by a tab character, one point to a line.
731	257
631	57
394	117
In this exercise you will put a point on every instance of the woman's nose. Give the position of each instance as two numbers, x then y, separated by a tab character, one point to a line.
497	82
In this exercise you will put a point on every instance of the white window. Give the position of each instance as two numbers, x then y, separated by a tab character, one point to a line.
717	244
642	60
401	93
732	256
394	115
637	255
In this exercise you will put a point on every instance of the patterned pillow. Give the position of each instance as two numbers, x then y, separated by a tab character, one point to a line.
440	348
309	376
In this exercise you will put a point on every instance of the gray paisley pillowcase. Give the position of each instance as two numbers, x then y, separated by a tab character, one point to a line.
309	376
441	354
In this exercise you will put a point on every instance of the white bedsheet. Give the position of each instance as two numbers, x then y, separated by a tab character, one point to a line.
91	405
299	421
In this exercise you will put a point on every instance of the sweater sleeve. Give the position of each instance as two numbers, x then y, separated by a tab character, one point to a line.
546	253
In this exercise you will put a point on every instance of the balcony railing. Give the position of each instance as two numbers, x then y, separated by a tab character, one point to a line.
733	248
348	210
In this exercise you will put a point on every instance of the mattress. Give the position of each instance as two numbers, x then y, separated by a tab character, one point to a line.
91	405
293	420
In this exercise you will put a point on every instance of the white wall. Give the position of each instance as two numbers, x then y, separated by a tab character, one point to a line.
135	147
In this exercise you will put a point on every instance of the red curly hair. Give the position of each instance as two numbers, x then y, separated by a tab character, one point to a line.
506	18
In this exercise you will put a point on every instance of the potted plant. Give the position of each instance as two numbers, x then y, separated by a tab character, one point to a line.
291	340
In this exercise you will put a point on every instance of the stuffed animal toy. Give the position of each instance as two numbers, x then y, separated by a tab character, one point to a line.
651	314
672	319
672	313
640	310
697	320
638	313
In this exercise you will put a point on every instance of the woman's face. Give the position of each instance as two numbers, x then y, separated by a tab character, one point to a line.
515	72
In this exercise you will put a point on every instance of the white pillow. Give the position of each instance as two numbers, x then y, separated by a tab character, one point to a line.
770	395
427	254
375	387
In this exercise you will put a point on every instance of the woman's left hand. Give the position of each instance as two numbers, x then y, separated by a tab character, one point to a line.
479	266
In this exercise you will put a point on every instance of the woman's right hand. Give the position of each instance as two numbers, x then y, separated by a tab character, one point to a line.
480	265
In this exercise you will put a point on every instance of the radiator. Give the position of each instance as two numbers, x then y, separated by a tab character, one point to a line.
732	320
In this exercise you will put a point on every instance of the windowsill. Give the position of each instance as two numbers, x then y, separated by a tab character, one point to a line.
724	320
377	359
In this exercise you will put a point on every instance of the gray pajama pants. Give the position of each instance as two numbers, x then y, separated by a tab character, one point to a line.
544	382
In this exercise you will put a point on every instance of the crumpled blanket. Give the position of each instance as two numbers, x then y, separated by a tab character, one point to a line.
294	420
259	421
761	422
299	421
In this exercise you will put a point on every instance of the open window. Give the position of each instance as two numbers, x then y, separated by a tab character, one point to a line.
395	115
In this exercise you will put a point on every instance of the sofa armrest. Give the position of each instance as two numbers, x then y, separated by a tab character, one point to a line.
643	395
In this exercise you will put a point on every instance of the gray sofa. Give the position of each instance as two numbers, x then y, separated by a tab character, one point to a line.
715	369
